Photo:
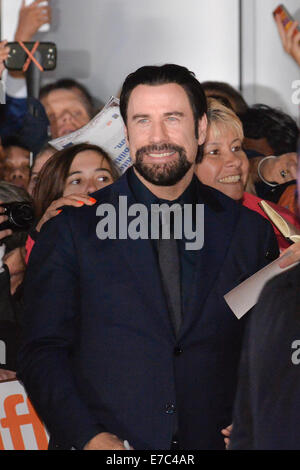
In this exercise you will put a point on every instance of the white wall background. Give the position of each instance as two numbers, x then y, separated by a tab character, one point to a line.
101	41
268	72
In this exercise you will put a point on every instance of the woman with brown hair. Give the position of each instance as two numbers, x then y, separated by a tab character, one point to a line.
67	179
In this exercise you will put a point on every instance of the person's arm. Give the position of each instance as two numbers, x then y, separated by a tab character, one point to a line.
290	39
31	18
271	169
50	332
75	200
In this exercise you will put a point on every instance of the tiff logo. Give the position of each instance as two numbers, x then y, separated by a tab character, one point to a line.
13	421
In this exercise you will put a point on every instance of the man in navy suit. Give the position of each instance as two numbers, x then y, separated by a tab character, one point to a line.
126	339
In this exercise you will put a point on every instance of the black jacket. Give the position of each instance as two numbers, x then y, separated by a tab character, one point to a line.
10	321
99	350
267	409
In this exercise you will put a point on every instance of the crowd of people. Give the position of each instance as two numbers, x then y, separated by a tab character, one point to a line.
84	320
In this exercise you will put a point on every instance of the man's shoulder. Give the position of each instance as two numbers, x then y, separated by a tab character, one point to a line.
277	312
220	202
288	279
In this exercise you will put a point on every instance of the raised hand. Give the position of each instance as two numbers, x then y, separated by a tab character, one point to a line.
31	18
76	200
290	39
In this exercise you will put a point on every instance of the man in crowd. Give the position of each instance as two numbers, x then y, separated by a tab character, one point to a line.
68	106
16	162
128	337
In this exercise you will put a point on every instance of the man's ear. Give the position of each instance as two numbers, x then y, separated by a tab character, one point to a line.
202	129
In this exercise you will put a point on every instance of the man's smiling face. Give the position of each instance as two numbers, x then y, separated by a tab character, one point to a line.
161	133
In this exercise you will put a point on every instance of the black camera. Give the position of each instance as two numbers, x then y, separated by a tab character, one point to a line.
20	216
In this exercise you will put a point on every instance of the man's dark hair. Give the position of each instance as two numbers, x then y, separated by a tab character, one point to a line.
70	84
224	92
278	128
162	75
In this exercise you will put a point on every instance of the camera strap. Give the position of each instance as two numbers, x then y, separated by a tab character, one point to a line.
31	56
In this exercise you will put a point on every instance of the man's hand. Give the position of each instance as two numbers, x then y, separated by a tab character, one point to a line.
105	441
227	433
290	256
76	200
31	18
7	374
290	40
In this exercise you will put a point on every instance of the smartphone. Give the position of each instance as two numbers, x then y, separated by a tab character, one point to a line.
286	18
45	27
17	56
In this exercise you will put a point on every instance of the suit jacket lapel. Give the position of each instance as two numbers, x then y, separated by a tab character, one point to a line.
142	260
218	234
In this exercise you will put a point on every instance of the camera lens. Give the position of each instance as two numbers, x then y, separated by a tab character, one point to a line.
20	216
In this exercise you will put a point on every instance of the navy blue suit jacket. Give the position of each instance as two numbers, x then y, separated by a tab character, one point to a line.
99	352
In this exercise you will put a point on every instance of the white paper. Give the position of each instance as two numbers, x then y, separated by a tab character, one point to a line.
243	297
105	130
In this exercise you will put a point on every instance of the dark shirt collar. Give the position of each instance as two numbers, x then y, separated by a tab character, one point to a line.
144	196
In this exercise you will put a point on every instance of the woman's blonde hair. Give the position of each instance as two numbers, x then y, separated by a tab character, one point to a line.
220	117
218	114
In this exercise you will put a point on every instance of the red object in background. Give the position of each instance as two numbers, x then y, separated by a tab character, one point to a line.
286	17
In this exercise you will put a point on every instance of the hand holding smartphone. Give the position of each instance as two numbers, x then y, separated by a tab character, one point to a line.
18	56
